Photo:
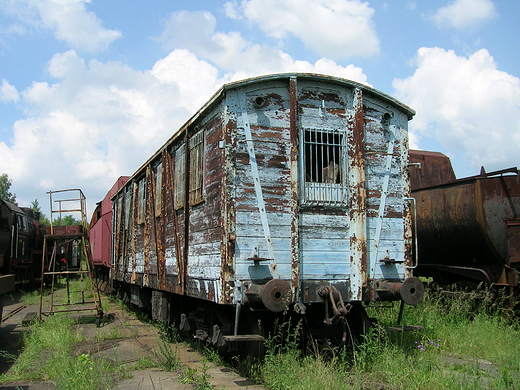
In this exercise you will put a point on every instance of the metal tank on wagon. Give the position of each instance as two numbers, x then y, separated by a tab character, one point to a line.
468	229
285	193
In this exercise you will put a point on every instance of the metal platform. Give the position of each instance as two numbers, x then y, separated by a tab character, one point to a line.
67	258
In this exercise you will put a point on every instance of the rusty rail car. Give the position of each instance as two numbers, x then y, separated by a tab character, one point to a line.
468	229
100	237
283	193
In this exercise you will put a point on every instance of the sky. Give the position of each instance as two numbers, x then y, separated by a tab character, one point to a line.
90	89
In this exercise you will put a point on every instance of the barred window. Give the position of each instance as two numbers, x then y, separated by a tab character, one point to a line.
196	167
323	165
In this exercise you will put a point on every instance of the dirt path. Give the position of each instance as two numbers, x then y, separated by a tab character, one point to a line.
124	339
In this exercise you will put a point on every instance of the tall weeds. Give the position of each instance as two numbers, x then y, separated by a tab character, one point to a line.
467	343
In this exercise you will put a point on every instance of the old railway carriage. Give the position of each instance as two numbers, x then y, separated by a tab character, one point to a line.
282	193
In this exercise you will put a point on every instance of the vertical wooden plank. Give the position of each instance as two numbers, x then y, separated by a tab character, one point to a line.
357	200
257	184
135	226
148	193
160	231
409	233
183	269
170	190
227	191
293	159
383	197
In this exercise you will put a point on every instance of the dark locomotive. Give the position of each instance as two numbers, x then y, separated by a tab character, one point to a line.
284	194
21	241
468	229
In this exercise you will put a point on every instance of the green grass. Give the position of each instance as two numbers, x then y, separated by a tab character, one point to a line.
467	343
48	355
198	378
166	357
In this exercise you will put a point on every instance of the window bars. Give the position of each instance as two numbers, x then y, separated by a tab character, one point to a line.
323	164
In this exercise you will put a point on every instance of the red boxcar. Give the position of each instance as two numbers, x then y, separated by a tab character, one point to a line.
100	234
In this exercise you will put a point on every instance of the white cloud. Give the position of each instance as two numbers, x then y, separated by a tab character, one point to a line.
337	29
68	19
100	120
462	14
195	79
466	104
8	93
237	56
91	121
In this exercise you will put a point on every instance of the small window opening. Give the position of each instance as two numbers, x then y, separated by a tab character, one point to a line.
324	161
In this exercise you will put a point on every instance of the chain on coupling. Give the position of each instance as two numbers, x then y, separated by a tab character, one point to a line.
339	309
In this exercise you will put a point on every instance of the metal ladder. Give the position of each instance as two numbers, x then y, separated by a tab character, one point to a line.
67	257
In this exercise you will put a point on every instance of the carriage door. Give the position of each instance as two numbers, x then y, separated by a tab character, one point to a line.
333	194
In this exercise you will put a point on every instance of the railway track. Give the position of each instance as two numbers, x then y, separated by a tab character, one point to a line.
13	312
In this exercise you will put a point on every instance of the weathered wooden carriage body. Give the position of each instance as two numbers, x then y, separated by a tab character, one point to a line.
277	187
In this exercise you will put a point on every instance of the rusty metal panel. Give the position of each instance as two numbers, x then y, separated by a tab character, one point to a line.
513	239
429	169
468	223
63	230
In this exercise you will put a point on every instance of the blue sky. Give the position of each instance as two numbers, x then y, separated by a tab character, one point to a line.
90	89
